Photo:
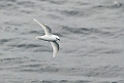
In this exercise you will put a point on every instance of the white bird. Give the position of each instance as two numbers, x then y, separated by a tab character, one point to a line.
49	37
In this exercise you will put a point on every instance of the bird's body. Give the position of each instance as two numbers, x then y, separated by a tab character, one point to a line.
49	37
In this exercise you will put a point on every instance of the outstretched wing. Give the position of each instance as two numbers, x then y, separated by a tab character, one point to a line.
47	30
55	46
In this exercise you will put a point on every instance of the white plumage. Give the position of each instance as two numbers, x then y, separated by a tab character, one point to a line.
49	37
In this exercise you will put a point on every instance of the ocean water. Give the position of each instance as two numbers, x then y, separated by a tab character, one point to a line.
91	46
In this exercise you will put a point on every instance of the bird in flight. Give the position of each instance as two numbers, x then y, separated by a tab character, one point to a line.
49	37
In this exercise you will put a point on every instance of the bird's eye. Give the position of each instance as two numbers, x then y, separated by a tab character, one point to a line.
57	39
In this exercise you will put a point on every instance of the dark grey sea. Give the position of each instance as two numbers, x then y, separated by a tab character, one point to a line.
91	46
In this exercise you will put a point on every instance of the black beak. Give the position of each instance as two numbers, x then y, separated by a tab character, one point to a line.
59	39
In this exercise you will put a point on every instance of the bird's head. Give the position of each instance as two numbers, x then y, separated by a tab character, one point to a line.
57	38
